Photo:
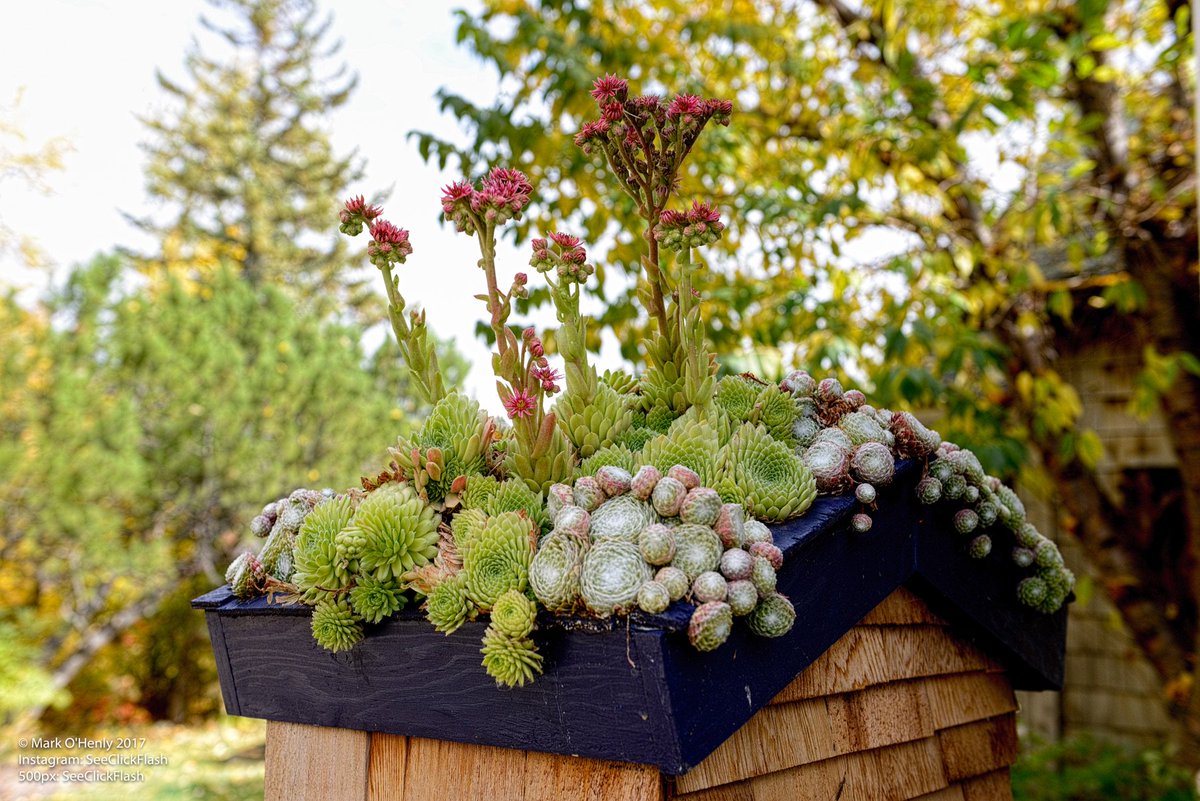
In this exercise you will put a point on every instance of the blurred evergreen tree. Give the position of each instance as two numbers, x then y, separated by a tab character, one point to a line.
242	163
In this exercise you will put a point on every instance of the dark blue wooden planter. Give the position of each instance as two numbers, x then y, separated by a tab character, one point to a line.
635	691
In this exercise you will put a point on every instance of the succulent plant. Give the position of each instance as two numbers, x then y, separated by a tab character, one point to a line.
1032	591
710	625
873	463
965	521
697	549
775	410
1022	557
456	425
447	607
686	476
573	520
513	615
865	493
554	572
702	505
621	381
799	382
558	496
731	525
399	531
668	496
245	575
653	597
742	597
499	559
773	617
755	531
709	586
588	493
762	575
516	496
913	439
768	551
675	580
954	487
736	564
614	480
980	547
319	572
644	481
657	544
374	600
613	571
621	518
466	526
335	627
805	431
829	463
737	396
595	422
765	476
512	662
691	442
861	523
929	490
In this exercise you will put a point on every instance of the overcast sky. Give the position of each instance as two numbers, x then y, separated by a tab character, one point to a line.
87	70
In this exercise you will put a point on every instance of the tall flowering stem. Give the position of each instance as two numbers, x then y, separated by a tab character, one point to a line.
523	373
389	246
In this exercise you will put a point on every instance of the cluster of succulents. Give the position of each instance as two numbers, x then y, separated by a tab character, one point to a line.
627	494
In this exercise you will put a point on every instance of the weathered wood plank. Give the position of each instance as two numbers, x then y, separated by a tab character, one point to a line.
438	769
776	738
315	763
951	793
902	608
906	769
974	749
879	716
869	655
995	786
385	773
967	697
552	778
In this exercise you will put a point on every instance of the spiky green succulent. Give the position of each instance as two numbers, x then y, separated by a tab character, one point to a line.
499	558
697	549
621	518
737	396
375	600
613	572
621	381
465	526
765	476
554	572
775	409
514	614
319	569
455	423
447	607
595	422
511	661
773	617
617	455
516	496
710	625
479	491
635	439
400	532
335	626
690	442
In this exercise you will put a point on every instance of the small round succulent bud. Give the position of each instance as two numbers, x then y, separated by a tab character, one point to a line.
987	513
292	515
873	463
768	551
829	389
941	470
1028	536
675	580
773	617
588	493
965	521
755	531
709	586
557	497
731	524
980	547
865	493
513	614
805	430
701	505
271	511
1022	557
573	520
710	625
861	523
736	564
644	481
971	495
954	487
657	544
742	597
668	496
855	398
1047	554
798	382
653	597
697	549
612	574
763	576
1031	591
613	480
260	526
685	476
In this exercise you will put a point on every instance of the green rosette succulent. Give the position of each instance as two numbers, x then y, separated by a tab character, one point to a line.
773	617
765	476
447	606
514	615
320	571
543	467
455	424
375	600
516	496
697	550
554	572
613	456
691	442
776	410
335	626
400	532
621	518
512	662
499	558
635	439
621	381
737	396
596	422
613	571
479	491
862	427
465	526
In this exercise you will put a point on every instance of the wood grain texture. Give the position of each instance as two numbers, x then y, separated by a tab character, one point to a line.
951	793
315	763
902	608
552	778
967	697
386	768
438	770
877	716
995	786
977	748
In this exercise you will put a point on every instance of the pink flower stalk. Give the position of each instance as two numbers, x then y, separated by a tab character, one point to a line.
610	88
565	241
355	213
687	104
389	244
700	225
520	404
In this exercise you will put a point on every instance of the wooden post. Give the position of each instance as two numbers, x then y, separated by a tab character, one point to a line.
902	707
